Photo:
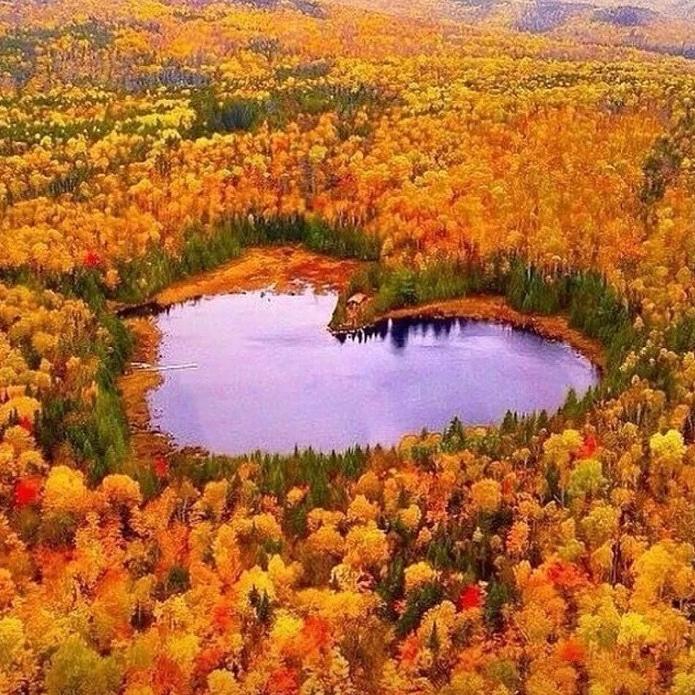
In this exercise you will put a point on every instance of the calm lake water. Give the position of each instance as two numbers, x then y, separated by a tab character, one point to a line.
269	375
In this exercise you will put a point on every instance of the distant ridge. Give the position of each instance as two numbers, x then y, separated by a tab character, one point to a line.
666	27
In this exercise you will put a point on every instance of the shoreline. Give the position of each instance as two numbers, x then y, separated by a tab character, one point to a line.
261	267
147	444
494	308
278	269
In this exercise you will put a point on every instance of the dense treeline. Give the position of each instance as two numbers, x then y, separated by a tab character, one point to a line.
158	139
201	251
592	305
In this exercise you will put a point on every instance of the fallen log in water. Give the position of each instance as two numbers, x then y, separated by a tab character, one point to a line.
143	366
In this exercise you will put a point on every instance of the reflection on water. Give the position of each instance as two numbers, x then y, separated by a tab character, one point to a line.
270	376
399	330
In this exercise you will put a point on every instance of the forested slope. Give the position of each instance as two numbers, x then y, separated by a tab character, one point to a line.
144	141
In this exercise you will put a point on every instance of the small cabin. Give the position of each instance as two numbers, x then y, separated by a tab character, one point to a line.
356	301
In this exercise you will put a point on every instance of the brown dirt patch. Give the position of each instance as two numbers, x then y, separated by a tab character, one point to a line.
284	269
134	385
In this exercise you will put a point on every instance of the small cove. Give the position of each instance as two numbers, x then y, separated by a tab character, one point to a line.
270	376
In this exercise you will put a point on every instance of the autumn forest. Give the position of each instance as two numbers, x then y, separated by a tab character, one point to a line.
530	163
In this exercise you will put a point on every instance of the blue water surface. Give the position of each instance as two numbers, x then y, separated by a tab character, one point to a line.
270	376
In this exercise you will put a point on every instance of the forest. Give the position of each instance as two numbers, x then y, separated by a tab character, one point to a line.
541	153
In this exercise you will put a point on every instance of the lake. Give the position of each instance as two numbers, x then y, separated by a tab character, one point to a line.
270	376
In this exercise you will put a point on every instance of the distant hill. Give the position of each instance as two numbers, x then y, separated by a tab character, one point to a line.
661	26
684	9
546	15
542	17
625	16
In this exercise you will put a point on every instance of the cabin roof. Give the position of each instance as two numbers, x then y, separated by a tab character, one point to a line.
357	298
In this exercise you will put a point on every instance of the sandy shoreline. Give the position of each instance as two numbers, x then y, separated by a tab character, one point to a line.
134	385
